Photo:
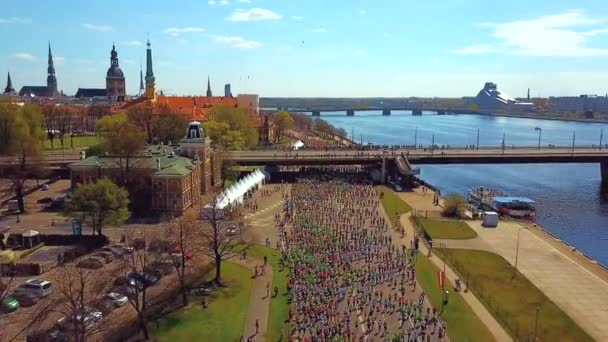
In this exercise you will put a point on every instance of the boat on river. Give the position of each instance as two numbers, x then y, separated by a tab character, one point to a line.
485	198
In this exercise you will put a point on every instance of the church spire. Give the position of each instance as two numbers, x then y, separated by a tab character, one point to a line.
51	79
9	85
141	79
150	85
209	94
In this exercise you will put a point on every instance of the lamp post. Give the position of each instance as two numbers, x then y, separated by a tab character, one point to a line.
601	137
517	247
540	132
536	323
478	138
433	143
573	141
503	143
416	138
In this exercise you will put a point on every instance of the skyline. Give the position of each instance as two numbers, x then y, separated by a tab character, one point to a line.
275	49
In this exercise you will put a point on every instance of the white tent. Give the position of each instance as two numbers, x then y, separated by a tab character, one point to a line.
297	145
237	191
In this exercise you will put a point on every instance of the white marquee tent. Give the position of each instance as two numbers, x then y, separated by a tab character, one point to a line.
297	145
237	191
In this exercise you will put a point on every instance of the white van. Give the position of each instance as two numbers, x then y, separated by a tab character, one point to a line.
36	287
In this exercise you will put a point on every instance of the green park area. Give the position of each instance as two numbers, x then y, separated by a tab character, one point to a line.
223	320
278	320
512	298
445	229
462	323
72	142
393	205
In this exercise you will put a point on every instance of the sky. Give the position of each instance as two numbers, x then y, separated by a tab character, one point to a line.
314	48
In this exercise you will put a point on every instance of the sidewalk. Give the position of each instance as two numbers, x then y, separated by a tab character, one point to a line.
259	303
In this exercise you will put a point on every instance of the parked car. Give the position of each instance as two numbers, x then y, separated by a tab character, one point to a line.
107	257
37	287
9	304
117	299
91	263
44	187
144	278
159	269
45	200
125	290
88	317
26	299
115	250
126	281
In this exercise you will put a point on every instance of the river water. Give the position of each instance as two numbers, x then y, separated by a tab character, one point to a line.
569	199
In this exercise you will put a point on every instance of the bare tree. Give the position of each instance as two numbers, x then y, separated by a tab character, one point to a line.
77	290
220	234
180	235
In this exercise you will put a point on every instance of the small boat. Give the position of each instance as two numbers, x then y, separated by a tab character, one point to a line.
491	199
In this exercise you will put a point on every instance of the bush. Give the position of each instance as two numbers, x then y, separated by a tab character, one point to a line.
454	205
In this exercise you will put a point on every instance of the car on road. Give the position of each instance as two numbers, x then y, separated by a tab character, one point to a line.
44	187
9	304
87	318
45	200
125	290
117	299
36	286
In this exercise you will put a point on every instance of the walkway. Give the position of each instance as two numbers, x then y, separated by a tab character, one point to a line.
259	303
579	292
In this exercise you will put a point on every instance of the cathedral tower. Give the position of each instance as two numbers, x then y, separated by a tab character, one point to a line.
51	79
9	85
115	79
150	85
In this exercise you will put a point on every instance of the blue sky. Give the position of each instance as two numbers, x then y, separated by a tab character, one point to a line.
315	47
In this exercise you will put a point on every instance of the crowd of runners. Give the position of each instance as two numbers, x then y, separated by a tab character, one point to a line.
352	280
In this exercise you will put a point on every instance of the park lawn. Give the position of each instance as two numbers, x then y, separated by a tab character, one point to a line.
278	320
446	229
79	142
393	205
223	320
512	298
462	323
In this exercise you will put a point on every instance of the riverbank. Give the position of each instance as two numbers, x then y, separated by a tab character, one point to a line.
578	285
544	116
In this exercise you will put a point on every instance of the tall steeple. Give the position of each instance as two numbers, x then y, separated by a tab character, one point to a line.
209	94
51	79
150	85
9	85
141	79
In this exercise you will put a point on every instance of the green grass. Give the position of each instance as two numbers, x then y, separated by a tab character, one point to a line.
462	323
393	205
223	320
446	229
512	298
278	320
79	141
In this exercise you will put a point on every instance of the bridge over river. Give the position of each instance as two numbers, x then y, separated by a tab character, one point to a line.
401	157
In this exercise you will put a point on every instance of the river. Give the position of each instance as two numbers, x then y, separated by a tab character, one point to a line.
569	201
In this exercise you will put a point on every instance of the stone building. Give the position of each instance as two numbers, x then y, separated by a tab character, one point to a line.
164	178
115	89
50	90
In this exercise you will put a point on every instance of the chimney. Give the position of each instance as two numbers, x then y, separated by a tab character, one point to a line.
157	164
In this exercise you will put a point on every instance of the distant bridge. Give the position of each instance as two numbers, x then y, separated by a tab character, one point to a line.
414	108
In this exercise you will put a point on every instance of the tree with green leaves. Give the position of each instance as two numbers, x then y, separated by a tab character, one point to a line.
123	139
21	135
231	127
98	204
283	122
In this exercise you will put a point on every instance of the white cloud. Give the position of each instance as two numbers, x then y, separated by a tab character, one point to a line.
362	12
254	14
212	2
552	35
245	1
475	49
98	28
218	2
176	31
58	60
296	17
25	56
237	42
319	30
360	52
131	43
15	20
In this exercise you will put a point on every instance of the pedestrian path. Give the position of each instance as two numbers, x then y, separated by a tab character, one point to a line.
499	333
259	303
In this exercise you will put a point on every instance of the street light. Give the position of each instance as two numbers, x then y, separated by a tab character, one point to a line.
540	132
601	137
478	138
517	247
416	137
